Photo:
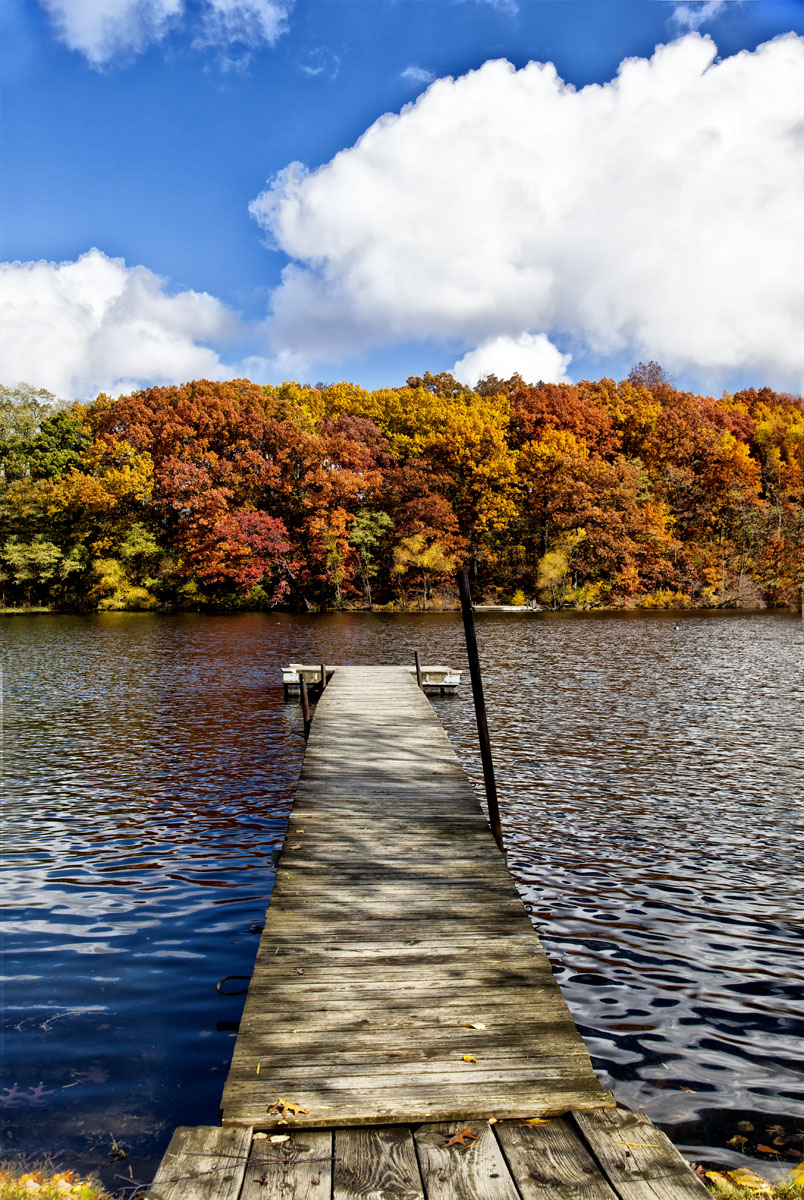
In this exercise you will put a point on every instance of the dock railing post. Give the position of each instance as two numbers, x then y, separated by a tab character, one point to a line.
418	667
305	704
323	676
480	706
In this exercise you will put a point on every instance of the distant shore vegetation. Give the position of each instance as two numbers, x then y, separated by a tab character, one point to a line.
232	496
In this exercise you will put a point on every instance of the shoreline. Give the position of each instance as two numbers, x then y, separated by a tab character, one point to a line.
384	610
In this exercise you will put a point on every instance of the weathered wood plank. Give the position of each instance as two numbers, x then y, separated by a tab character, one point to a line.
202	1163
476	1172
551	1162
376	1164
364	1043
332	1104
640	1161
514	944
297	1169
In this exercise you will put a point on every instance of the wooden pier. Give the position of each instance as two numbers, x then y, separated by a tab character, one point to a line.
400	996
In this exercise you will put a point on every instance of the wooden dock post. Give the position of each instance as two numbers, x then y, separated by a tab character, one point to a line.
418	667
480	707
305	701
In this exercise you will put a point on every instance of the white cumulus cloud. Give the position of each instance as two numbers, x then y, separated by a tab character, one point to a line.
102	30
531	355
658	214
95	324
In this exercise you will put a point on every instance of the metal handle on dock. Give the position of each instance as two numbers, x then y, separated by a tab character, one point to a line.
480	706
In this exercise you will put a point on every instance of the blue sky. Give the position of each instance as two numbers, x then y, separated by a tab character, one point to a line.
513	218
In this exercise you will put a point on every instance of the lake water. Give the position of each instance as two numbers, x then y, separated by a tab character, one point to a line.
652	793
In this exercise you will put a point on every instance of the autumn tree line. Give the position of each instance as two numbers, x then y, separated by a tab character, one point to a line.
234	495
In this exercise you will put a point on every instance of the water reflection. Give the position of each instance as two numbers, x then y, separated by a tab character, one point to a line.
650	783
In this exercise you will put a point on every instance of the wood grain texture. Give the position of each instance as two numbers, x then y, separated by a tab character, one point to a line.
476	1172
376	1164
202	1163
639	1160
298	1169
394	925
551	1162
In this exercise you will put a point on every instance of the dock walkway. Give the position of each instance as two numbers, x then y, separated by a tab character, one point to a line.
403	1024
398	976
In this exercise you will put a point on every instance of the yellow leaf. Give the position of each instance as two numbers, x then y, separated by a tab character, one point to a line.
537	1121
750	1179
720	1181
797	1173
470	1058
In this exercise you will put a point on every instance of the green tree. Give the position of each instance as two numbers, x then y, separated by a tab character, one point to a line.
367	533
31	566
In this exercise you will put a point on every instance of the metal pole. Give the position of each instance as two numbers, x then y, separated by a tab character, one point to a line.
305	704
418	668
480	706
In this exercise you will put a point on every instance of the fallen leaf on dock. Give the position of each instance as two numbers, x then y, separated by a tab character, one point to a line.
470	1058
259	1137
296	847
737	1140
475	1025
279	1137
537	1121
460	1139
765	1149
287	1108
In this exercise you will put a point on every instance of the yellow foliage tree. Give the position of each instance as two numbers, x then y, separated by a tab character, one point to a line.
414	554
